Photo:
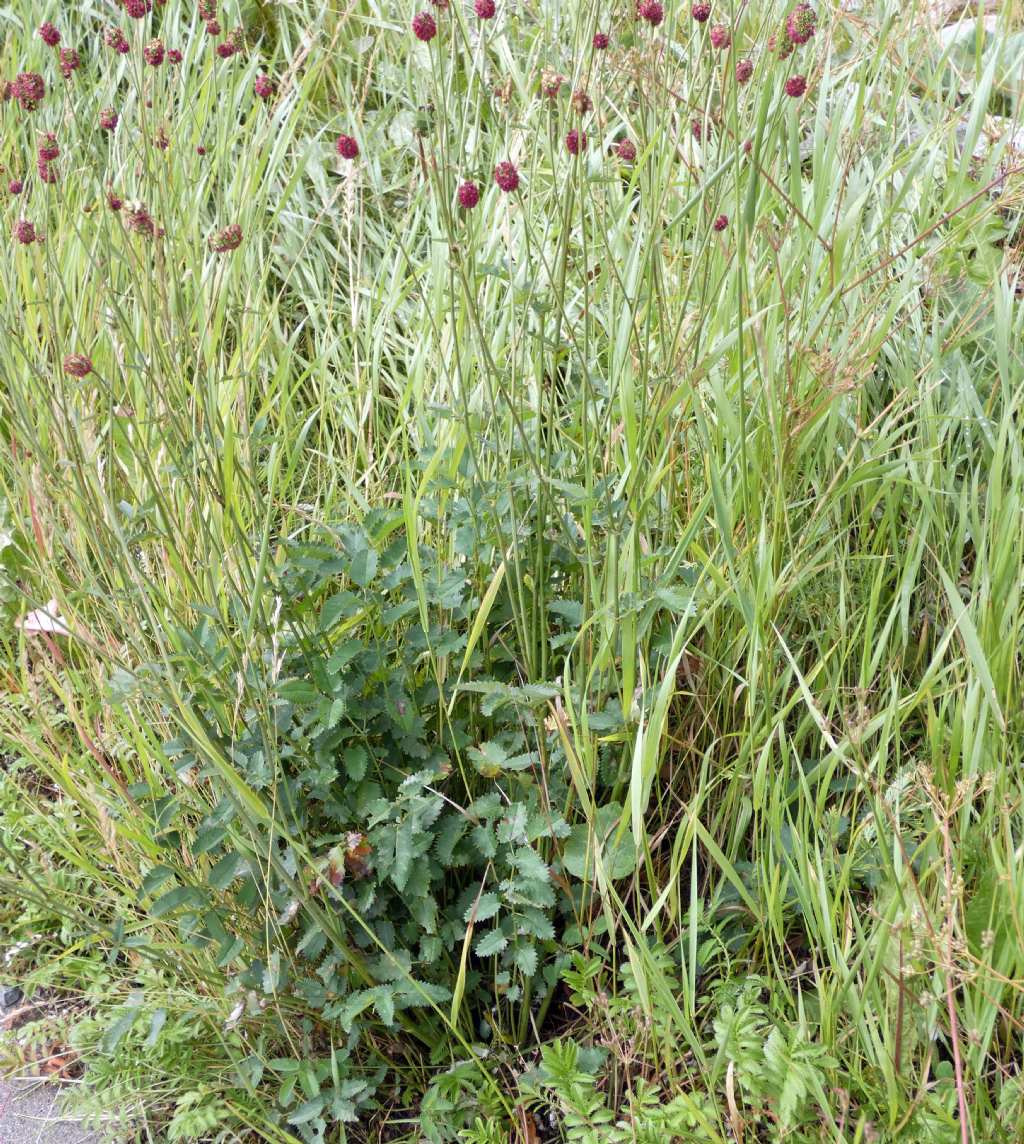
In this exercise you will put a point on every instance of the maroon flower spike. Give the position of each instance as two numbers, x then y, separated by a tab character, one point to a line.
115	38
114	202
140	221
440	5
227	239
45	172
24	232
575	142
69	62
137	9
153	53
15	186
626	150
551	84
28	89
701	12
200	150
263	87
49	34
721	37
468	195
600	41
781	45
77	365
581	102
48	149
721	222
207	10
108	119
423	27
226	49
796	85
485	9
506	176
161	140
744	70
347	147
697	129
174	56
801	24
651	11
212	27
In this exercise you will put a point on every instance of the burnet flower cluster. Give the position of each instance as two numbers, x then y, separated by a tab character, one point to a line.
711	26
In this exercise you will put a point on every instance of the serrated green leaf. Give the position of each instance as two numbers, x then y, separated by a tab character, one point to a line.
490	943
485	909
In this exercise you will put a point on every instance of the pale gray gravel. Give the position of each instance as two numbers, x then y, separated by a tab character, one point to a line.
28	1116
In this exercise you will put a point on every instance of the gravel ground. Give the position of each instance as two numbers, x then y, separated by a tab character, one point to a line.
27	1116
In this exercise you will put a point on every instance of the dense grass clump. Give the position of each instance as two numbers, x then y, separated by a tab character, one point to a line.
512	543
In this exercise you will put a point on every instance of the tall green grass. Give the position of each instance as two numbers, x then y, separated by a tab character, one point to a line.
745	509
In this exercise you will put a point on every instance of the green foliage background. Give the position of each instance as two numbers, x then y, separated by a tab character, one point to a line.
549	671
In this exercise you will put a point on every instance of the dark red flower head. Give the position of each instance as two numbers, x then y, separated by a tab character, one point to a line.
207	10
721	222
796	85
115	38
423	27
347	147
114	202
601	41
506	176
69	62
28	89
140	221
801	24
15	186
174	56
212	27
24	232
701	11
575	142
721	37
45	172
77	365
49	34
468	195
200	150
137	9
650	11
581	102
551	83
485	9
744	70
153	53
626	150
780	44
48	150
227	239
263	87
